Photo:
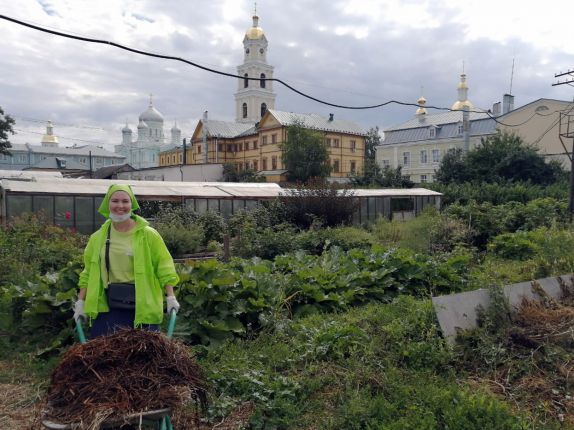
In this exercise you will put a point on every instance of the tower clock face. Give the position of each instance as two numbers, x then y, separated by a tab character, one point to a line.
261	50
247	51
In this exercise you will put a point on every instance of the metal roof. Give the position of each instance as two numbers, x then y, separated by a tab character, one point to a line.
437	119
143	188
226	128
28	175
318	122
58	150
478	127
150	189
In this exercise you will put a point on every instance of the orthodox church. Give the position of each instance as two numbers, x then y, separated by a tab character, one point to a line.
144	150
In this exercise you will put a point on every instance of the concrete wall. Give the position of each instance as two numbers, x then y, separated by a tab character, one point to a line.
457	312
187	173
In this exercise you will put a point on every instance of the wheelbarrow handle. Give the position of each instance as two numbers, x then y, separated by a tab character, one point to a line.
171	324
80	330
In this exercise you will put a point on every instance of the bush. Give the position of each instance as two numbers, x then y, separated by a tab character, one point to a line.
515	246
180	239
315	241
30	247
321	202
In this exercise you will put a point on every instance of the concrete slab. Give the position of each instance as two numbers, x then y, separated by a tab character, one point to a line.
457	312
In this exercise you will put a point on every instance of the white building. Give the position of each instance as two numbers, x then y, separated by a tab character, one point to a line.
28	156
143	152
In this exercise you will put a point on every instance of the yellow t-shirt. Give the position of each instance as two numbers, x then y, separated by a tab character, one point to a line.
121	257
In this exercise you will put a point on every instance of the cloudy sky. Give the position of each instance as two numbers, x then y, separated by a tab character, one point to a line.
348	52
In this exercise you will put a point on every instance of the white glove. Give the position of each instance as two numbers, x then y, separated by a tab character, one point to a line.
79	310
172	303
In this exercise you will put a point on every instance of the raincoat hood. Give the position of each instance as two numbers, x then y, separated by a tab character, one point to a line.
104	208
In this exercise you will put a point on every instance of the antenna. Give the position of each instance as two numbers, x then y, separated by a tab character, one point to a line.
255	9
511	76
463	67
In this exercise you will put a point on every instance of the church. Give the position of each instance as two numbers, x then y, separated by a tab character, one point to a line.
253	141
143	152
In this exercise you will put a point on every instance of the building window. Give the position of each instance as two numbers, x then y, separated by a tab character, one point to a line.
432	132
406	158
435	156
247	165
229	148
274	163
263	109
244	110
199	149
254	144
336	166
263	140
460	129
255	165
353	166
386	163
353	146
245	80
220	147
273	139
328	140
335	143
247	146
424	159
262	80
240	147
264	164
173	159
423	179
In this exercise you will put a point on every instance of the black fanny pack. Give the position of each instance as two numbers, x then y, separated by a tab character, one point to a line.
122	296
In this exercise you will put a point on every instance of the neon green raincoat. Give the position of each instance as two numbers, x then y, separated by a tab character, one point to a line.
153	267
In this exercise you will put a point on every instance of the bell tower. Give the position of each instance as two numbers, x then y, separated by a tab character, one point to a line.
254	93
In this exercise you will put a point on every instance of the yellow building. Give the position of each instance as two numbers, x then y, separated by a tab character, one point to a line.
258	147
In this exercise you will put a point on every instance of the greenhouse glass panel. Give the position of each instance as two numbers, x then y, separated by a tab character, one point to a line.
250	205
226	207
99	218
44	207
64	216
238	205
213	205
85	215
18	205
201	205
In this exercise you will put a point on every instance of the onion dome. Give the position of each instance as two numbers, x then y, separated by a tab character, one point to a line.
421	102
255	32
151	114
462	90
142	125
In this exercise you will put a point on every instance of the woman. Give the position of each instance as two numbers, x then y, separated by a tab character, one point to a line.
125	250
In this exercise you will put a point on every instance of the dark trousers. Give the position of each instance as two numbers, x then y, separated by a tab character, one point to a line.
108	322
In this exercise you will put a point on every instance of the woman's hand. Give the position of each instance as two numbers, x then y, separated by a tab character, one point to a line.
79	310
172	304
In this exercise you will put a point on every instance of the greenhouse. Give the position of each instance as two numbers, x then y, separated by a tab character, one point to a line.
73	203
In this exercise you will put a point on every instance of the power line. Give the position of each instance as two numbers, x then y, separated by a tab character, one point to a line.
59	124
211	70
219	72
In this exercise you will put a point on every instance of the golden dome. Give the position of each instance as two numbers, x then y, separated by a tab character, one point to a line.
255	32
421	110
460	105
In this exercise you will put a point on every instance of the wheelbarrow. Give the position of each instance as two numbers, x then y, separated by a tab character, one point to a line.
158	418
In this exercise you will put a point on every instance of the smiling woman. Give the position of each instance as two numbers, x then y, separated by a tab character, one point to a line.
127	267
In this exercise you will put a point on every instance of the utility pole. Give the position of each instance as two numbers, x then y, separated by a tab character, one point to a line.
566	131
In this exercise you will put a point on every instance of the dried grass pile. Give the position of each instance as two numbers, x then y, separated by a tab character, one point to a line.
129	371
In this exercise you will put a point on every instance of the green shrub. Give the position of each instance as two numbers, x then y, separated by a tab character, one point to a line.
31	247
318	201
515	246
316	240
180	239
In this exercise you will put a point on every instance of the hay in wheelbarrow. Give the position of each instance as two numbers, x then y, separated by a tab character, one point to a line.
130	371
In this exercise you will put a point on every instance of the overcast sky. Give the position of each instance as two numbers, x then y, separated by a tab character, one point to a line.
360	52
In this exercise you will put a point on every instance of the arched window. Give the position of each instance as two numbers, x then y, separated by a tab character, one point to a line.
244	110
262	80
263	109
245	80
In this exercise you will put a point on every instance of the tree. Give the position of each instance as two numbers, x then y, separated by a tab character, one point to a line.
504	157
6	123
305	154
230	174
372	140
